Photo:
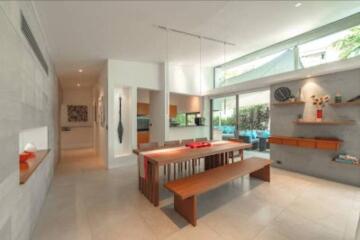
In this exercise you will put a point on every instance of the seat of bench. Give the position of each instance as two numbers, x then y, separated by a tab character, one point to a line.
213	178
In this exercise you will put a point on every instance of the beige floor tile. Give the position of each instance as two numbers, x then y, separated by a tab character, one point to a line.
87	202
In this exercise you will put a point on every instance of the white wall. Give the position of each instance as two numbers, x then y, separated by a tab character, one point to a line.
179	133
159	121
130	76
29	99
143	96
100	132
38	136
135	74
185	79
186	103
81	135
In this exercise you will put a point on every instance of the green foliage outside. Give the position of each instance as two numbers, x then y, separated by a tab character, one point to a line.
181	119
255	117
350	45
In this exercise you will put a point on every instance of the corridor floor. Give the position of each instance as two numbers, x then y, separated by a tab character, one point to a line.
87	202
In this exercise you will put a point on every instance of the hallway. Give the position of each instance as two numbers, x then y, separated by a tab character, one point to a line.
87	202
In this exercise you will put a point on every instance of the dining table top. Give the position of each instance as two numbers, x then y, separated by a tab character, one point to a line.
166	155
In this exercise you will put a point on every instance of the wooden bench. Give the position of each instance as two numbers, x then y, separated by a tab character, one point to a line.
186	189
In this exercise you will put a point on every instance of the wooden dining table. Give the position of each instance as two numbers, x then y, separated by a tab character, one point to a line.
218	154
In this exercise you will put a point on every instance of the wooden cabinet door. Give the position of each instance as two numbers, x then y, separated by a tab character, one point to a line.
172	111
143	137
143	109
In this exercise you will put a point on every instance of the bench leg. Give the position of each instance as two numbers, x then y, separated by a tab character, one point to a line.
263	173
186	208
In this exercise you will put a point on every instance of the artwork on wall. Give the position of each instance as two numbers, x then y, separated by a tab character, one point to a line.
101	111
77	113
120	125
95	111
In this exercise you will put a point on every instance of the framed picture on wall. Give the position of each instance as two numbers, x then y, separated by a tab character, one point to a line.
77	113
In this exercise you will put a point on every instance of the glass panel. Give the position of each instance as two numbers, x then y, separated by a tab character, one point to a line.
181	119
254	121
224	117
190	118
276	63
334	47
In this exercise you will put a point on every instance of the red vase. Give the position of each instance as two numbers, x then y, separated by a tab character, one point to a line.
319	115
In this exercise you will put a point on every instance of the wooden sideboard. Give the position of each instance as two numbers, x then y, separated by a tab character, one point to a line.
325	144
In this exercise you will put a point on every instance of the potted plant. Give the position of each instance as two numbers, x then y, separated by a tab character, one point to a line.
320	103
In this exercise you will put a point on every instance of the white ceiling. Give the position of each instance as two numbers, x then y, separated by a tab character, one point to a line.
82	34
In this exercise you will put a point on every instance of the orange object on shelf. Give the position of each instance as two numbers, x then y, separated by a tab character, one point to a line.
24	166
24	156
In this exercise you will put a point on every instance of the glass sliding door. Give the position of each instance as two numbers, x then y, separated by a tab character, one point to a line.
253	119
224	118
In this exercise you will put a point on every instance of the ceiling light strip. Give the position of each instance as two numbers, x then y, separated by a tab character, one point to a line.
194	35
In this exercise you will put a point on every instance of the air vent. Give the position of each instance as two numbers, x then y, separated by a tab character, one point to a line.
33	44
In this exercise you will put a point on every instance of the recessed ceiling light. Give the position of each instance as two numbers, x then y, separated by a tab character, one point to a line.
298	4
80	70
78	84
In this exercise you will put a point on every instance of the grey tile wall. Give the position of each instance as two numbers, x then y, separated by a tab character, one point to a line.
28	99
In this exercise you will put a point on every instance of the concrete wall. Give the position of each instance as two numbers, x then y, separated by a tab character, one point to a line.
81	134
28	100
311	161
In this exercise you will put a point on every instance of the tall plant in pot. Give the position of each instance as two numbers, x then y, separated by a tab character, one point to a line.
320	103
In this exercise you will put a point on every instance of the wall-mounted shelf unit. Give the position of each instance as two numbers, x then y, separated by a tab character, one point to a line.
325	144
288	103
325	122
346	104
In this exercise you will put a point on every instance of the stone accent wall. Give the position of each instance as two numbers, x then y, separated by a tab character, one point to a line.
29	99
317	162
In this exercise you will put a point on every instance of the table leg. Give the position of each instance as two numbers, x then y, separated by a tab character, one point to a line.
156	183
186	208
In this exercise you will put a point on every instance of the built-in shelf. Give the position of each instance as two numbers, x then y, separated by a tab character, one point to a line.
288	103
318	143
345	104
33	164
325	122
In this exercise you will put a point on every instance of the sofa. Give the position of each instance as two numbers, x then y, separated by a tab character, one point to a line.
258	138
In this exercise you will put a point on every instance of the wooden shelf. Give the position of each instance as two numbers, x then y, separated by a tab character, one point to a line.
346	104
33	164
325	144
325	122
288	103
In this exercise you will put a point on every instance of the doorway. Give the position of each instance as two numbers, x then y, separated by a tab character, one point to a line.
244	116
